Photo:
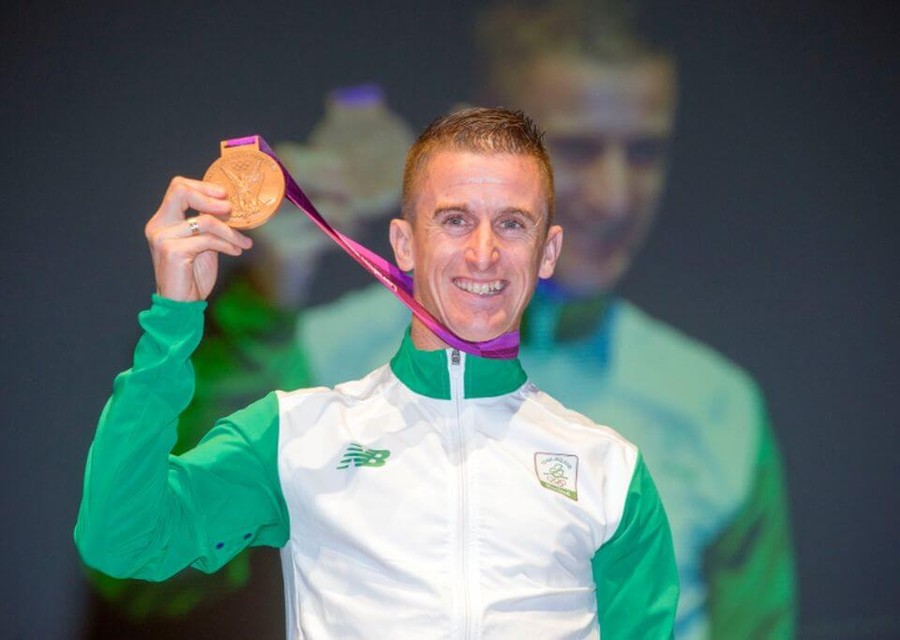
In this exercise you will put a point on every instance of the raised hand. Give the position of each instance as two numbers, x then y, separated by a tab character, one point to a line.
185	250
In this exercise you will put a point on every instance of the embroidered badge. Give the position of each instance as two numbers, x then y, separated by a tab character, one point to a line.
558	472
358	456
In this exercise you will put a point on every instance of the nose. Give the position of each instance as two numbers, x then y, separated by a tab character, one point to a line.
606	182
481	249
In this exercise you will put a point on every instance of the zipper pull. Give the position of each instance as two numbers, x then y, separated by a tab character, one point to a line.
454	356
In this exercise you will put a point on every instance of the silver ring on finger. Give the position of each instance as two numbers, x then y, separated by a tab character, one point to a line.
193	225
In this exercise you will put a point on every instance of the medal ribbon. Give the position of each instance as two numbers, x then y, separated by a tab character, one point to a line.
397	282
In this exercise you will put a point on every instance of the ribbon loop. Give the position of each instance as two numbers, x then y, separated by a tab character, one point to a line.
397	282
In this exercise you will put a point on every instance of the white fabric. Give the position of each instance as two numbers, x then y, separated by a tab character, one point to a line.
455	531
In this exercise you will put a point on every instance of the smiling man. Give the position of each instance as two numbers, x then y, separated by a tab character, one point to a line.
442	495
476	233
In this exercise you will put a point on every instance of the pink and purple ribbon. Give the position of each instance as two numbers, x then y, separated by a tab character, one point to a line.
388	274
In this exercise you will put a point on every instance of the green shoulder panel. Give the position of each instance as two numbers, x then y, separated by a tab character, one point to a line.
635	571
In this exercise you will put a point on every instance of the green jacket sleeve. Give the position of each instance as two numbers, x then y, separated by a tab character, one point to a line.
635	571
750	568
146	513
248	349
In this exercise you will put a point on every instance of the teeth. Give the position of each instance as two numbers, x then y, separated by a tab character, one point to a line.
480	288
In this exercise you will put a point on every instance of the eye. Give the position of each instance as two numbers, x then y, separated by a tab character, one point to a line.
514	223
453	220
511	224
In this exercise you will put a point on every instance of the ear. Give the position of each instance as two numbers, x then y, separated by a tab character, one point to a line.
552	247
401	236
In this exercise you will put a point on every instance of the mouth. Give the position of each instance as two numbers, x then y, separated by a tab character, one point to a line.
485	289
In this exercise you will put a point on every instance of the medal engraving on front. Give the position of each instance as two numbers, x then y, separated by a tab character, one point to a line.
254	181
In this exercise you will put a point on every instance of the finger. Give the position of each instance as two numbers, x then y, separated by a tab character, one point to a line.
160	237
212	189
215	243
193	226
185	250
184	194
206	223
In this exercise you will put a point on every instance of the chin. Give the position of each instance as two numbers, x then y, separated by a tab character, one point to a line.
480	333
479	336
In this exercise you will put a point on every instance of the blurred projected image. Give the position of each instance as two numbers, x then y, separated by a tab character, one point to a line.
606	97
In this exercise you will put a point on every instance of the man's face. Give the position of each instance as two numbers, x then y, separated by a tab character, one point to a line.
607	129
478	242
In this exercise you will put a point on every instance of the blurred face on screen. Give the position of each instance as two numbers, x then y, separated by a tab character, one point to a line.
607	127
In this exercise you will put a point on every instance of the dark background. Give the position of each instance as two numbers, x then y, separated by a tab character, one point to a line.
776	245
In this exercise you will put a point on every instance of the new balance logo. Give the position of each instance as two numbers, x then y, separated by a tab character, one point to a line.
356	455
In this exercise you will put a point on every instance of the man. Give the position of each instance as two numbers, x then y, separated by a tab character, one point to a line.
607	99
440	495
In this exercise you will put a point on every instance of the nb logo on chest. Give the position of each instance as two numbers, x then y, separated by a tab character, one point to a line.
358	456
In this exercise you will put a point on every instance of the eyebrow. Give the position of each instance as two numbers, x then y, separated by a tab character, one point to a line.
525	212
462	208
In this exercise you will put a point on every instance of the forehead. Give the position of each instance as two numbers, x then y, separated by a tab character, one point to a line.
487	178
572	95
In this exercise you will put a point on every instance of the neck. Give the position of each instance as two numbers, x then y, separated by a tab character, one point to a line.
424	338
503	346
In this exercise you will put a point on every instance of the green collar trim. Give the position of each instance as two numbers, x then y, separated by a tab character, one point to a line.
427	373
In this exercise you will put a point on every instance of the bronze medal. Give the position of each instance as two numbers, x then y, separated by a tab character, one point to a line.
254	182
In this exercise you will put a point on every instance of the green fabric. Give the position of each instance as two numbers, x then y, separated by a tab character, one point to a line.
750	567
425	372
248	349
635	599
147	514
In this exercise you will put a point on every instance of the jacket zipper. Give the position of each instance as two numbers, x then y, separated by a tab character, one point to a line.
456	392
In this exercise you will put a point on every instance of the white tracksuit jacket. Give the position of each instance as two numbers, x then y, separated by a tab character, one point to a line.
441	496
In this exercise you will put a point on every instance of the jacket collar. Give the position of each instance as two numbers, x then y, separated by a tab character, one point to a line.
428	372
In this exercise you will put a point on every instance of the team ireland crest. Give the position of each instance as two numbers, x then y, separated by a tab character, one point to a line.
558	472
